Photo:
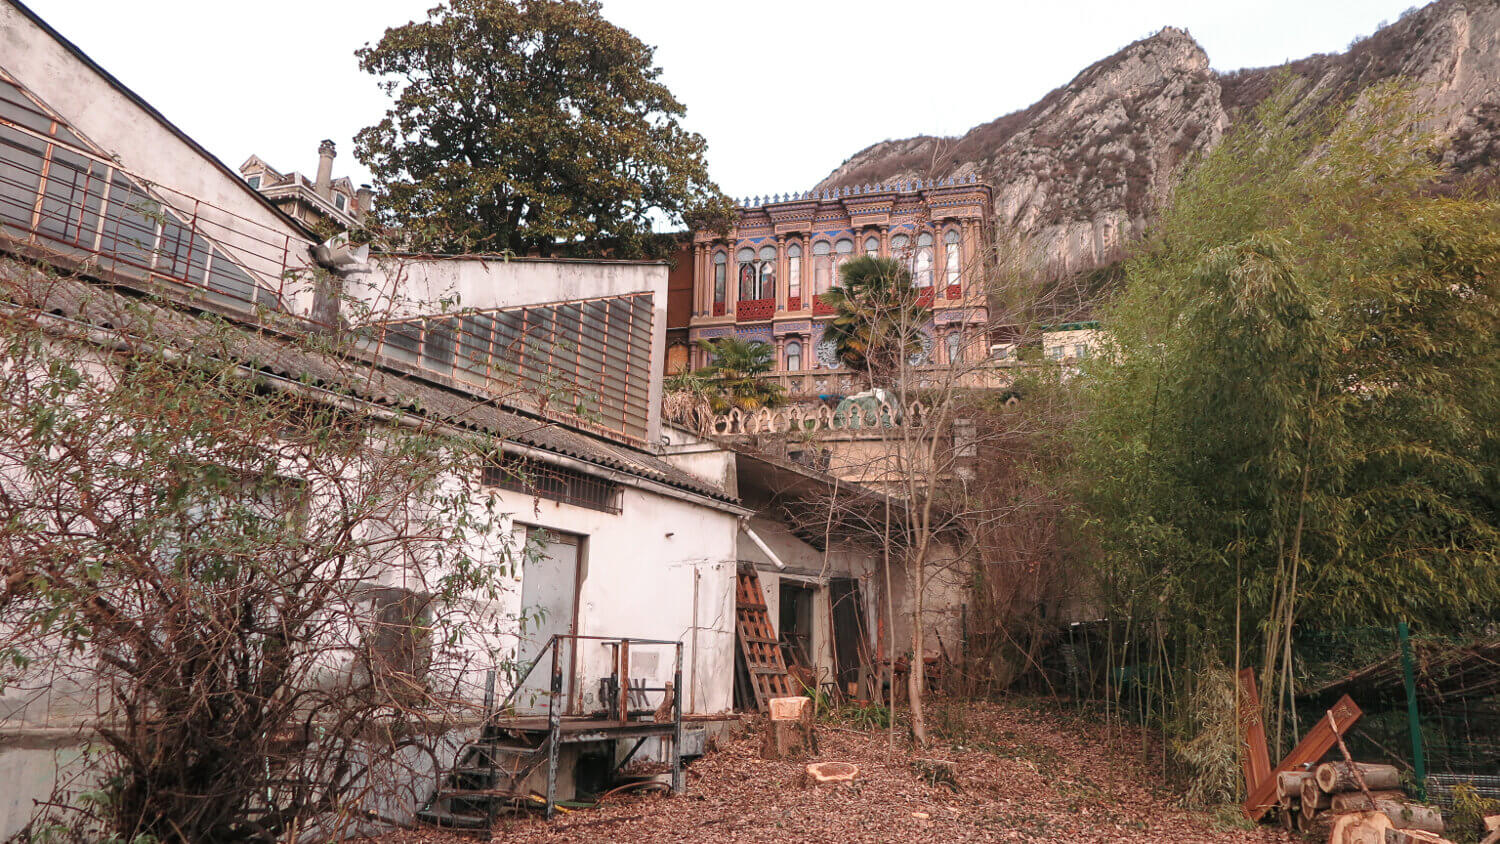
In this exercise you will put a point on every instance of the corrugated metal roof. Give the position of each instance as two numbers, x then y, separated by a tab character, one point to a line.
297	358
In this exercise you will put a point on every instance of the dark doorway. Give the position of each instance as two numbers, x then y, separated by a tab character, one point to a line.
795	625
849	639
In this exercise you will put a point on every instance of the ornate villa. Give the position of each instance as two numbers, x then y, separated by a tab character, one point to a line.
762	280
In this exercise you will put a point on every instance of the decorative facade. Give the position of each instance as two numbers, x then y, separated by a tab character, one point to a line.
762	280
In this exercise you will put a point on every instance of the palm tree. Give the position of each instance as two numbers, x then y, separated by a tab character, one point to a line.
878	319
735	375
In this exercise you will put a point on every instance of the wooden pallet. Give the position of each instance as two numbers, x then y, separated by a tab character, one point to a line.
758	645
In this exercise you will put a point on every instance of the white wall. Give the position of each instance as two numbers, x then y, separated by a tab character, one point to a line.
640	568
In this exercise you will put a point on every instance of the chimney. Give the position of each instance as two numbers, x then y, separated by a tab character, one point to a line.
324	185
364	200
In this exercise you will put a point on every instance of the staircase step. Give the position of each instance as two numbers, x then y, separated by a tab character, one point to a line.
452	820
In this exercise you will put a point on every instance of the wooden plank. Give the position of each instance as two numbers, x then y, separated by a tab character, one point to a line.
1253	754
1317	742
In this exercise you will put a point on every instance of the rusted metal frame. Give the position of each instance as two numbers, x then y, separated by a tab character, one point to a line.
41	188
677	784
554	731
619	766
622	676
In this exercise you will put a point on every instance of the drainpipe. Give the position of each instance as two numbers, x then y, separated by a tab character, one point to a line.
760	543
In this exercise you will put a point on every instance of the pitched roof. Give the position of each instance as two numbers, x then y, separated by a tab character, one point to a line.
280	354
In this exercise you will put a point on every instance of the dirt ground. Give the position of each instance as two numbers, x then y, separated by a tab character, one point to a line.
1024	773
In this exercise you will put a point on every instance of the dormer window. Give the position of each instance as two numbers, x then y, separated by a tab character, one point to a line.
253	182
340	202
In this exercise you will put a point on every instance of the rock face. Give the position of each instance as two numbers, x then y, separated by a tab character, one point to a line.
1079	174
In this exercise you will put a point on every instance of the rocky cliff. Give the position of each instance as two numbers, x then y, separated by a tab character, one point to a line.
1080	173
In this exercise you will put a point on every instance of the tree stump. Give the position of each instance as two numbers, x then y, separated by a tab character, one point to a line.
789	733
1359	828
1334	777
829	774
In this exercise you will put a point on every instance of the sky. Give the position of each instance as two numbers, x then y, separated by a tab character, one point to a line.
783	90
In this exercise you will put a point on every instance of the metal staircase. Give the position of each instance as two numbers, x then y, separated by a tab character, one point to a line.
490	773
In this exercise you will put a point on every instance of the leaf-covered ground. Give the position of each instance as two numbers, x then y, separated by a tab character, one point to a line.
1023	774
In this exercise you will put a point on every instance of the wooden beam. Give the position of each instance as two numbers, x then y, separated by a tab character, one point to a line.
1317	742
1254	756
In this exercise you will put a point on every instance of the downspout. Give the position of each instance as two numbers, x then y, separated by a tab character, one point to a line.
760	543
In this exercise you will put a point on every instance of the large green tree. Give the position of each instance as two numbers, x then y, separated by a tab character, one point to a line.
1293	422
530	125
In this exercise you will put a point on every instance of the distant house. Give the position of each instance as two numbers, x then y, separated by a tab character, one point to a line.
324	200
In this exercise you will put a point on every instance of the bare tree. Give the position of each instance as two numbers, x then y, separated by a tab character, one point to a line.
275	591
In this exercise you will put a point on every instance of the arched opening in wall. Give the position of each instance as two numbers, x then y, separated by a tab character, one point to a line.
822	266
923	270
765	287
793	356
872	247
721	273
951	258
794	277
746	260
841	252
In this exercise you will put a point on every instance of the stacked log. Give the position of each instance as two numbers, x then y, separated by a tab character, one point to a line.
1338	789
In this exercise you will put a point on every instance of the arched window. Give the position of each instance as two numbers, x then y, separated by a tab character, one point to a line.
766	288
822	266
955	345
793	356
794	271
923	264
899	246
721	270
950	255
841	252
872	247
746	259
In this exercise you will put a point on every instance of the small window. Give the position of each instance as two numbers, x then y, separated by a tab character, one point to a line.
794	271
721	268
766	285
872	247
844	247
899	244
544	480
254	181
746	259
793	356
340	202
950	256
922	266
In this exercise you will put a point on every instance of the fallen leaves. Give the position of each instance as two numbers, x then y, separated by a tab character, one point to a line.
1022	774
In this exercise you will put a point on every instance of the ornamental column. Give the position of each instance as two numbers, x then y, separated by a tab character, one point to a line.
781	279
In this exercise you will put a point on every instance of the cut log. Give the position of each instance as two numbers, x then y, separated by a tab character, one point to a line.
1289	787
1359	828
1314	824
1405	815
1354	801
1492	823
1314	799
1334	777
828	773
1288	816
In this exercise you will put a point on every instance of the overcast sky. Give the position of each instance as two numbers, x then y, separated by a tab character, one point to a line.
779	87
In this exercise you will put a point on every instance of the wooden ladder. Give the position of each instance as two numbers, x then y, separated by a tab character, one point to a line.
758	645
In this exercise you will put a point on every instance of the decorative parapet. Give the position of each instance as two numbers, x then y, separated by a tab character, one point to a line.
852	415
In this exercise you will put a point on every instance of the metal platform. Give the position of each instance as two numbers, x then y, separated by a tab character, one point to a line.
488	773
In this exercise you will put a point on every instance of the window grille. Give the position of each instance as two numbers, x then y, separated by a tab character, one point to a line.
555	483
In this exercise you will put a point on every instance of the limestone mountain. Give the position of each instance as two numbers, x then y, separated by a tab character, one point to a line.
1080	173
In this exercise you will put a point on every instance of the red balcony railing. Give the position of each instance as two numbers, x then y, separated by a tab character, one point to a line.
924	297
794	303
748	310
718	309
821	308
955	291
